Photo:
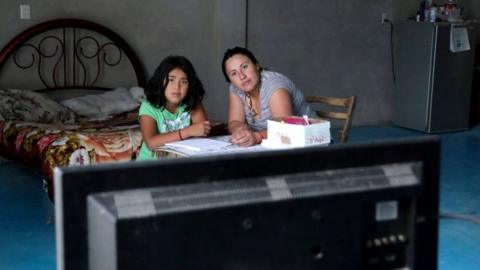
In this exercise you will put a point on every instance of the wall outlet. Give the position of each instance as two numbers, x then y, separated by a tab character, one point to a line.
384	17
25	12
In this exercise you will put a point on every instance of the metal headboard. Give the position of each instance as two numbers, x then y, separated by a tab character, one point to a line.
66	53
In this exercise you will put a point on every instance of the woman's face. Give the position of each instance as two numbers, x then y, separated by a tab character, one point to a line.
242	72
177	87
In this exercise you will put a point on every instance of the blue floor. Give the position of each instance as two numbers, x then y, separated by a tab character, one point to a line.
27	237
459	245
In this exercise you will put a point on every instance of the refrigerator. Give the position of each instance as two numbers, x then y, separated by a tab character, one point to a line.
433	88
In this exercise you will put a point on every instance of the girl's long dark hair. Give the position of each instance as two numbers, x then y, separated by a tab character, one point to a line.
155	88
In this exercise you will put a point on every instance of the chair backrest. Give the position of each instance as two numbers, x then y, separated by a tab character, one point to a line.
335	108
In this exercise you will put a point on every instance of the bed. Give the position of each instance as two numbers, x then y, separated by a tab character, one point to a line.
69	96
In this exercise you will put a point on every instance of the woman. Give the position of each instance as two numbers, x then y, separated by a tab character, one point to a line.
257	95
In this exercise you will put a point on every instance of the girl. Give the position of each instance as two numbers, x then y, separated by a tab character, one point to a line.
173	110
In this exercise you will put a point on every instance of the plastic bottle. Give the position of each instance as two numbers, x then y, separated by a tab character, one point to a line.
451	10
433	14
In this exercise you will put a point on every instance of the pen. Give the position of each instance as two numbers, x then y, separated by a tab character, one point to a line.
305	117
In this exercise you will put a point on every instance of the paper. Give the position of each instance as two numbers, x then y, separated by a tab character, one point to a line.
459	38
200	144
220	146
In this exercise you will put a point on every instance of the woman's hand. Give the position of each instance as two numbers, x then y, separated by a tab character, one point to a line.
201	129
243	137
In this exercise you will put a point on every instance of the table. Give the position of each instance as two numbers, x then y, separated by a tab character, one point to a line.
172	151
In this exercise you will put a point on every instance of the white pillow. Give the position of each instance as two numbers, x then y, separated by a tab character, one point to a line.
138	94
100	107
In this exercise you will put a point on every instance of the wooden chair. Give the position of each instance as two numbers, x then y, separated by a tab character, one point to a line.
336	109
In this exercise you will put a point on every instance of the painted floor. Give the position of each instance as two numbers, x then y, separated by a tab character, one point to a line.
27	235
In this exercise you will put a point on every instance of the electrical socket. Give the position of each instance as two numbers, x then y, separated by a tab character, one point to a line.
25	12
384	17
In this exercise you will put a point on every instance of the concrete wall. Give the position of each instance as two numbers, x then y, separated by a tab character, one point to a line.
471	9
330	48
199	30
327	47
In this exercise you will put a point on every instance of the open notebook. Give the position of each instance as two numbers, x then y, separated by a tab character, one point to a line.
207	146
200	144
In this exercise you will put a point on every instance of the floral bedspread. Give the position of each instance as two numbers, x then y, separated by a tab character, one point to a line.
46	146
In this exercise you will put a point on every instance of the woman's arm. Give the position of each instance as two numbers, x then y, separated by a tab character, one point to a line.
236	114
242	135
280	103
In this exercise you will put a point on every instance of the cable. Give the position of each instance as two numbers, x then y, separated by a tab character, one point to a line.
472	218
391	49
246	24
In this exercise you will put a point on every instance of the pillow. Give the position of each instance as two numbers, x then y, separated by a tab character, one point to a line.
138	94
100	107
25	105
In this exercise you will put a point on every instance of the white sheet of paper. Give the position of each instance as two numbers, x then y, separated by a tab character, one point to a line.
200	144
459	38
220	146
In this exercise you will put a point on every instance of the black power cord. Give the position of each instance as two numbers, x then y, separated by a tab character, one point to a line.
246	24
391	48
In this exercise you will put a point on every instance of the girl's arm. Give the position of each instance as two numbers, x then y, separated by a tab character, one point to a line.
148	126
152	139
200	126
199	114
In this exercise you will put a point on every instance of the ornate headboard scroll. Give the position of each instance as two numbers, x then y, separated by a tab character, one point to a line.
72	48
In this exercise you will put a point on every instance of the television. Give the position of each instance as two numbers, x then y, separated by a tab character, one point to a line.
351	206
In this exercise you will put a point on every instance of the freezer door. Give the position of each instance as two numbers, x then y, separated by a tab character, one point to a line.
452	80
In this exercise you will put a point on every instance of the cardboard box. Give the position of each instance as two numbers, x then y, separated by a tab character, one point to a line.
282	134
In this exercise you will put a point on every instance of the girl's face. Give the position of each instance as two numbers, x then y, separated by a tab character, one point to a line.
242	72
176	88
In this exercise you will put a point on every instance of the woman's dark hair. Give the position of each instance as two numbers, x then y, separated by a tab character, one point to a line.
155	88
233	51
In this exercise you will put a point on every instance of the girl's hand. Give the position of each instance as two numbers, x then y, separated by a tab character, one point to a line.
243	137
201	129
